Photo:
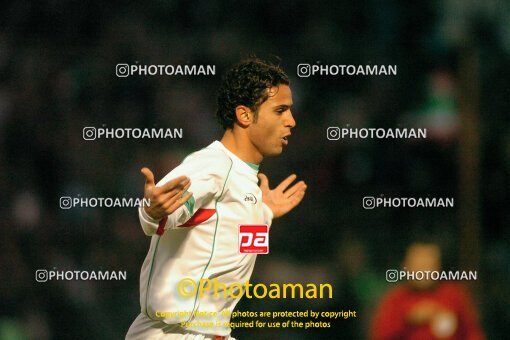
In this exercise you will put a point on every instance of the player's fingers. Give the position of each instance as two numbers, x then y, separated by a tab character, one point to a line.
264	182
166	199
286	182
175	196
186	187
175	193
179	202
292	190
297	198
149	176
176	183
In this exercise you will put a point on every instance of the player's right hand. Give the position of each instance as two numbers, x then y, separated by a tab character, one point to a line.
165	199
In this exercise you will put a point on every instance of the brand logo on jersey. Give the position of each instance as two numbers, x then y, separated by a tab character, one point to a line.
250	198
254	238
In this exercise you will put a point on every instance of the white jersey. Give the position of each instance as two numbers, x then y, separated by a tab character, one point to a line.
200	240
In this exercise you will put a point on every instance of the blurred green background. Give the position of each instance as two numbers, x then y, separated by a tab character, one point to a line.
57	75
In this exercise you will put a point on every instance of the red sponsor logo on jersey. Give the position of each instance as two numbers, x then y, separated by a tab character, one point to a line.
254	238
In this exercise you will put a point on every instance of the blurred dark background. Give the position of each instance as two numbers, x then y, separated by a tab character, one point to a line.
57	75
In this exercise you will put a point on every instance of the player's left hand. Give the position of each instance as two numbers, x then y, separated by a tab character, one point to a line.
282	200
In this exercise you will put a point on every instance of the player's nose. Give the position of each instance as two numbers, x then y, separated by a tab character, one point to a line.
290	121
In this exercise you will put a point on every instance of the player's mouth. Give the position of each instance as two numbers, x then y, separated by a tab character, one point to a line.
285	140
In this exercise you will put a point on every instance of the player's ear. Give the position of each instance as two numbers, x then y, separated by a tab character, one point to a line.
244	116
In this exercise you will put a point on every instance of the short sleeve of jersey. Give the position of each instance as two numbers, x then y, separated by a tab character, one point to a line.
208	171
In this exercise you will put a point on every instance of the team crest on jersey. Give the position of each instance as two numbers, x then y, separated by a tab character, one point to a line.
250	198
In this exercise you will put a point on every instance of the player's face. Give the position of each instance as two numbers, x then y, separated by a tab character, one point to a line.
423	257
270	133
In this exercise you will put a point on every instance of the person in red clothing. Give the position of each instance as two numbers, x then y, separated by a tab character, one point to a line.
426	309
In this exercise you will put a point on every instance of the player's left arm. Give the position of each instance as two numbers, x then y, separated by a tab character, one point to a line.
282	199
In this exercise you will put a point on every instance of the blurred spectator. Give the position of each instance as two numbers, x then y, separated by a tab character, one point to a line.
426	309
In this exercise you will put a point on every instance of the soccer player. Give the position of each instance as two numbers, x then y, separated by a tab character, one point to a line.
196	209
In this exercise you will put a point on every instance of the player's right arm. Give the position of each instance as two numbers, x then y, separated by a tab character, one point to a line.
171	205
164	200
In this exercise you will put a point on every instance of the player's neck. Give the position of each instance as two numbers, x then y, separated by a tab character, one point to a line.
240	145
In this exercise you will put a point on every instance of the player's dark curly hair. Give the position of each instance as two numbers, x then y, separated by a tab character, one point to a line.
246	84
